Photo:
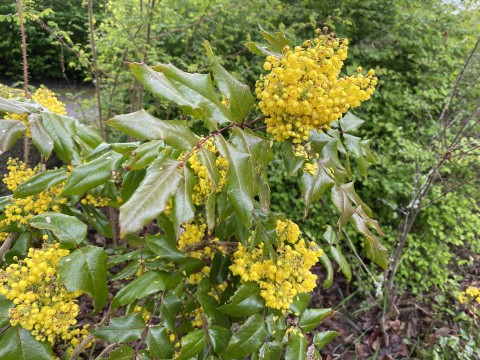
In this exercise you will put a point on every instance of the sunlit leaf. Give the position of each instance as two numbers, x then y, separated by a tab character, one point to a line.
68	229
85	269
121	329
152	195
144	126
10	132
40	182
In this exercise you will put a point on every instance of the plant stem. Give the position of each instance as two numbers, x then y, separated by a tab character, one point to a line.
26	146
95	67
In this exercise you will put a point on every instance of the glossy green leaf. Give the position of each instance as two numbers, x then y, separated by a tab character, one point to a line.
19	249
313	186
247	339
258	49
183	208
14	106
169	309
239	180
270	351
85	269
342	262
61	129
123	352
17	343
164	248
131	180
300	303
245	302
329	269
277	41
87	136
40	137
68	229
292	163
350	122
148	283
296	346
40	182
152	195
143	156
238	94
92	174
97	218
310	318
219	337
341	200
144	126
5	304
192	344
158	343
323	338
121	329
10	132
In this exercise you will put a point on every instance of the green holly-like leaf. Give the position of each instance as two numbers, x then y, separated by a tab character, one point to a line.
92	174
341	261
152	195
40	182
158	343
149	283
239	184
121	329
14	106
144	126
277	41
292	163
247	339
164	248
19	249
17	343
270	351
143	156
61	129
169	310
183	208
313	186
350	122
245	302
5	304
194	93
329	268
300	303
87	137
238	94
10	132
68	229
310	318
192	344
323	338
296	346
40	137
219	337
123	352
85	269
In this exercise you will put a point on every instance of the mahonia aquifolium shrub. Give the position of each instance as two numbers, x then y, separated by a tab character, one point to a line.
198	272
303	90
42	305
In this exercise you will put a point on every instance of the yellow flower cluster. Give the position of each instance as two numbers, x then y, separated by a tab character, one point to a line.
205	186
198	243
280	279
471	294
303	90
47	99
42	305
22	210
97	202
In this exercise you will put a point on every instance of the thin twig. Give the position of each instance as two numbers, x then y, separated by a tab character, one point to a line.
147	328
7	243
